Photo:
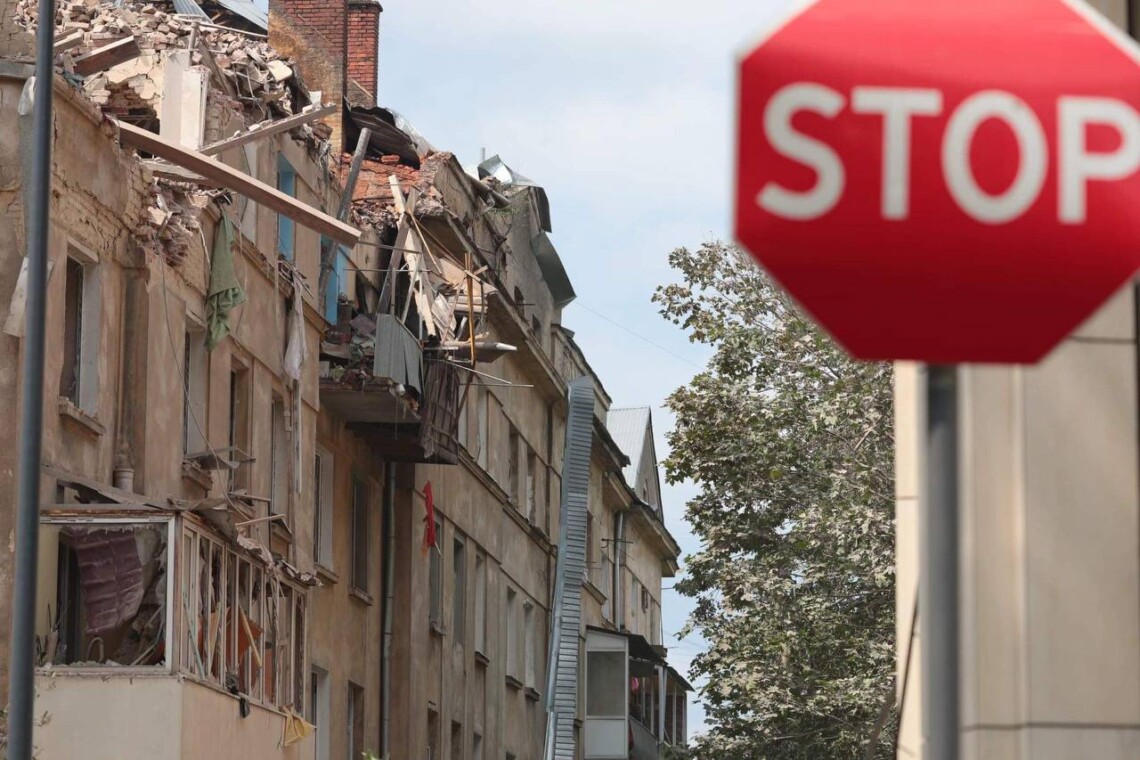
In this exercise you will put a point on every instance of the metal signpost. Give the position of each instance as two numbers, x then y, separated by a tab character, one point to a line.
945	181
22	645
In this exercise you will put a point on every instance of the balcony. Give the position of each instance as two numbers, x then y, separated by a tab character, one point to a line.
162	638
375	377
635	702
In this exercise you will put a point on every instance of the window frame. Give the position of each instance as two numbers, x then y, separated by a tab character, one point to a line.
481	602
459	589
512	639
88	330
435	579
361	537
324	502
195	389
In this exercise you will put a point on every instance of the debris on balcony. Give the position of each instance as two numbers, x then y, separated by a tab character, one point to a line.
108	599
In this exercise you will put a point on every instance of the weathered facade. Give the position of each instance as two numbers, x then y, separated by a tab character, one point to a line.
306	408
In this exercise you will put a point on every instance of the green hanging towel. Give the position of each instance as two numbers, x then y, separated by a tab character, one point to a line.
225	290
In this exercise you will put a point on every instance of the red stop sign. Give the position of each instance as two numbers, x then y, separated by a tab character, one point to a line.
948	180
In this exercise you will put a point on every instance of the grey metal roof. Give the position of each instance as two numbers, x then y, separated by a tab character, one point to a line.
248	11
189	8
628	426
552	270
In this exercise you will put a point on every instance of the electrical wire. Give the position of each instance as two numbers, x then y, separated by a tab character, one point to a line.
639	336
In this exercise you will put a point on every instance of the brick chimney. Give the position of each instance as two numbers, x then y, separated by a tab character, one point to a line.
315	34
363	40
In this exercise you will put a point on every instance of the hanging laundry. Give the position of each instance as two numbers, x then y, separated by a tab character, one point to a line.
225	290
296	351
296	728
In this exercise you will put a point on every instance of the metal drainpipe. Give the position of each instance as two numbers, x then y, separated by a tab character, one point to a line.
619	586
389	595
123	475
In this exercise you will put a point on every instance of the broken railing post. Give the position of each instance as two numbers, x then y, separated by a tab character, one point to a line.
22	645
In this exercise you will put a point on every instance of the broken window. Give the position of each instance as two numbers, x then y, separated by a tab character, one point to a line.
243	627
459	592
481	602
482	405
279	460
355	720
435	578
456	740
239	423
360	540
195	380
105	595
532	486
319	709
530	644
461	427
512	650
286	183
433	734
513	467
78	374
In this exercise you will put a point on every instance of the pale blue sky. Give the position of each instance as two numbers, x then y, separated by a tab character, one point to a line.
622	110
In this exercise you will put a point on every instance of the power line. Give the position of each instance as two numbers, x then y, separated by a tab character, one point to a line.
639	336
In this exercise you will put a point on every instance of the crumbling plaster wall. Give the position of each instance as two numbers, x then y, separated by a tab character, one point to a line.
97	199
14	41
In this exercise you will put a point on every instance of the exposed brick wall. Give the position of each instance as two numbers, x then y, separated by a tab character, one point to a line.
363	39
315	34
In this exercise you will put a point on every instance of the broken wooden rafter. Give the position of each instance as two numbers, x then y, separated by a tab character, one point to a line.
67	41
101	59
269	128
328	251
224	176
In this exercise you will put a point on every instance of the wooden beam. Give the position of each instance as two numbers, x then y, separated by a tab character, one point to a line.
165	170
269	128
67	41
107	56
328	251
232	179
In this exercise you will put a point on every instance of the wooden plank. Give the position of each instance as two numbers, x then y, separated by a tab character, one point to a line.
107	56
328	250
232	179
68	41
270	128
165	170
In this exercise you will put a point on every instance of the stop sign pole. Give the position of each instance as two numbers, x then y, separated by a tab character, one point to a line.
944	182
938	525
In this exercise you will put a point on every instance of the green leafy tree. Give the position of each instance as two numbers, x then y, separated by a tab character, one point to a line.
791	444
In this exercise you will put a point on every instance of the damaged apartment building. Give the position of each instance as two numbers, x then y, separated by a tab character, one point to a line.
308	405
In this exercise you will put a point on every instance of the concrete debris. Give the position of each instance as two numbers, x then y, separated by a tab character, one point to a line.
253	74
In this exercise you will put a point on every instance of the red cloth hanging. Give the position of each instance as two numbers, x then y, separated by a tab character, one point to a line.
429	518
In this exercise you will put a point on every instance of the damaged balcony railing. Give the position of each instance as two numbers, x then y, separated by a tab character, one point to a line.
238	621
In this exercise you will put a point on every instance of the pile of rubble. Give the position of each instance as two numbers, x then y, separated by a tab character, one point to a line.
242	64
